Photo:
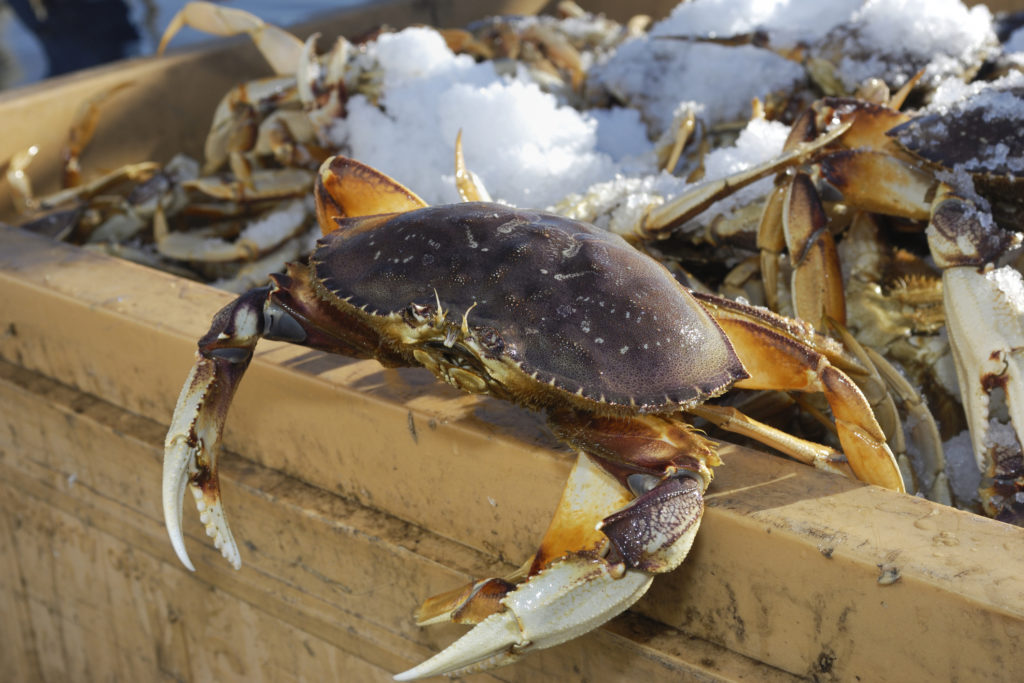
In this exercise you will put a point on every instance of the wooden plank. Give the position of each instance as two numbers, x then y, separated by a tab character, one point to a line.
332	582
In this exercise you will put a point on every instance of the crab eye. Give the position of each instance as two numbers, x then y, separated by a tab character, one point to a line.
415	314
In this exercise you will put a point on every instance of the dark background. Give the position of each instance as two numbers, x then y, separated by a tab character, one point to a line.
42	38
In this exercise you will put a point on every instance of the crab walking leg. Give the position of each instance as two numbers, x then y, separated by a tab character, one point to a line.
807	452
817	281
794	218
281	49
662	219
771	239
615	526
777	359
347	188
83	127
922	426
931	462
469	185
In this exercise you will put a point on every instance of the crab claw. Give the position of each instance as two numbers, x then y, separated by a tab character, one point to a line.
570	597
193	439
985	319
190	461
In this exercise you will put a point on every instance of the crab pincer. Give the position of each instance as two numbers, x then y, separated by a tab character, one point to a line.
566	319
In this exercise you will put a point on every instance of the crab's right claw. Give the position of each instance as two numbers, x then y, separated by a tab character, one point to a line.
193	440
572	596
190	461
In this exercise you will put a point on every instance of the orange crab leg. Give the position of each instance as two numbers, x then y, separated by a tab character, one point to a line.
794	218
897	188
807	452
346	187
817	281
771	239
777	358
867	124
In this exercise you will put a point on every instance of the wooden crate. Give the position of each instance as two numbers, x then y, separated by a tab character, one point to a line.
356	491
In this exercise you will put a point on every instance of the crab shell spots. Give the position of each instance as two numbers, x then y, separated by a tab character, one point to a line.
576	307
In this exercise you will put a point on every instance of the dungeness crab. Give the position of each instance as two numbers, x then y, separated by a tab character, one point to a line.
551	314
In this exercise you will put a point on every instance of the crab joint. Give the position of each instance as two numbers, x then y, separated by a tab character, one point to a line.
655	531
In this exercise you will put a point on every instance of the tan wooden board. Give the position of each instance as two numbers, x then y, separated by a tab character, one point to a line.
92	591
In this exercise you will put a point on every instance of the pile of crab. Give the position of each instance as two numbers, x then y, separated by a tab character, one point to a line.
863	213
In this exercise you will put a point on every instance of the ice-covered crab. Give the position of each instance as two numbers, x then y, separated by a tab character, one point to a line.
551	314
955	169
954	172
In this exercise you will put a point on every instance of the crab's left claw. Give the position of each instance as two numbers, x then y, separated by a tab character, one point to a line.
190	461
609	536
572	596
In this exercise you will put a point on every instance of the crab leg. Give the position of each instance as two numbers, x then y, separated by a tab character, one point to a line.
281	49
662	219
469	185
82	129
346	187
816	281
777	359
612	530
807	452
981	301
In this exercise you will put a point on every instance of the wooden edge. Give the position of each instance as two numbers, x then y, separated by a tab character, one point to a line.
793	567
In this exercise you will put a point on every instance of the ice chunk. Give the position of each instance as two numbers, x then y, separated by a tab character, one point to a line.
526	146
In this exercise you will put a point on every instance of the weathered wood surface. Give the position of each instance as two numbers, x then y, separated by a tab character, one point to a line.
92	591
785	571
